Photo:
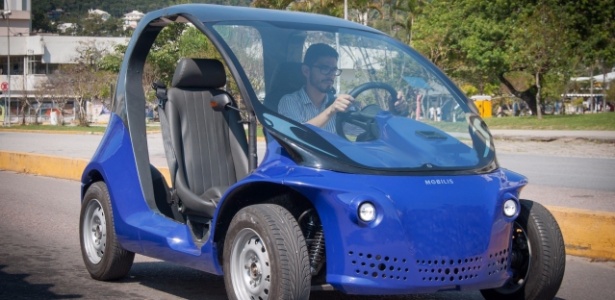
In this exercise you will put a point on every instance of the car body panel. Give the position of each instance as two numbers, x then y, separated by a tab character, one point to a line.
440	229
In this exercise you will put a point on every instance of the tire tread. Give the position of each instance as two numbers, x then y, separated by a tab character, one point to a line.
116	261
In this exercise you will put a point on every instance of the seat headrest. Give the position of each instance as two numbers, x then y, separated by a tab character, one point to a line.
199	73
286	79
288	74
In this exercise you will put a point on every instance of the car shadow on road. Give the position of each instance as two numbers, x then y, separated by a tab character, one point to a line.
15	286
178	281
187	283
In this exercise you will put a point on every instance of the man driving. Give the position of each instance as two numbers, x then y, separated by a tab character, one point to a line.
313	103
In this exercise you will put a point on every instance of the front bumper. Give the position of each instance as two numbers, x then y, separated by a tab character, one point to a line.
451	235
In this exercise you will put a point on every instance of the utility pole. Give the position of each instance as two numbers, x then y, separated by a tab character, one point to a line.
5	15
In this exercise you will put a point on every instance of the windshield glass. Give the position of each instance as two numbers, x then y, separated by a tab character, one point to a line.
403	114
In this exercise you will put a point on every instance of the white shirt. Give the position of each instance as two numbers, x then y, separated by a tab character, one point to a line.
300	108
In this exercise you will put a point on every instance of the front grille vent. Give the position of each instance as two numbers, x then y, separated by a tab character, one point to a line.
388	267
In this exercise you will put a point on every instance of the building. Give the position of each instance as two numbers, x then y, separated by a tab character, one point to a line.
27	61
132	18
101	13
17	12
594	94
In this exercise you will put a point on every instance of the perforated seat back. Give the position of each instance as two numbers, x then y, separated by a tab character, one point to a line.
210	147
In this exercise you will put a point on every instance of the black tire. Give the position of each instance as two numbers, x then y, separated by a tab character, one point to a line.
265	255
103	257
539	257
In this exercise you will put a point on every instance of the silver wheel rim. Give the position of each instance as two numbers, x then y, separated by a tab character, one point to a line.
94	231
250	266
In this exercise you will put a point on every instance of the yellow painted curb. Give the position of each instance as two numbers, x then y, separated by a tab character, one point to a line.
586	233
40	164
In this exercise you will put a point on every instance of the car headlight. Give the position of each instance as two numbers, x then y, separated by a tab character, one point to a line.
367	212
510	207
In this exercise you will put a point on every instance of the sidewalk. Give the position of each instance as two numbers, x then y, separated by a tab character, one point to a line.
550	135
82	144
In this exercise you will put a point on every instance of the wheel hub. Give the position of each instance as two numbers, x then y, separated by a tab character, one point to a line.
252	276
254	271
97	234
94	232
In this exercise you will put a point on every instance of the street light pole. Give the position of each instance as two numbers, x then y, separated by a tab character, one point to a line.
5	15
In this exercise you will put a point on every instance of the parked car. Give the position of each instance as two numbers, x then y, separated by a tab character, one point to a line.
385	204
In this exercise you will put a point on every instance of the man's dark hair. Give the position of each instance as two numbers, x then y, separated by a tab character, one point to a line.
316	51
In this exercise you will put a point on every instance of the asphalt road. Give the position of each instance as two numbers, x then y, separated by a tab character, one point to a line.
40	257
577	182
576	172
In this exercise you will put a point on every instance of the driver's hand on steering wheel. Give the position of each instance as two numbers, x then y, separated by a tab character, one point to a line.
341	103
401	105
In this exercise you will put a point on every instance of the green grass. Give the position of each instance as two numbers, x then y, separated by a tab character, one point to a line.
599	121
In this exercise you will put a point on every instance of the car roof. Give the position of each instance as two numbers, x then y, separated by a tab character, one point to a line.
215	13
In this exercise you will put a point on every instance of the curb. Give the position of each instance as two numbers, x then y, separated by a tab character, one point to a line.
41	164
586	233
518	138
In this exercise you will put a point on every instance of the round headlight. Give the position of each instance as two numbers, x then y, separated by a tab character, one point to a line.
367	212
510	207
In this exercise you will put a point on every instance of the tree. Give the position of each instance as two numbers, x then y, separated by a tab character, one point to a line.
95	25
488	41
85	80
592	23
273	4
38	97
401	18
55	89
165	51
41	22
435	35
544	53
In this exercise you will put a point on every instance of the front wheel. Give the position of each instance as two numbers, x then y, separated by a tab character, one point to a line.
265	255
538	257
103	257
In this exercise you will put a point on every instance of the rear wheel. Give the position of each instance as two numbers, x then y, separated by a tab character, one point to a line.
538	257
265	255
102	254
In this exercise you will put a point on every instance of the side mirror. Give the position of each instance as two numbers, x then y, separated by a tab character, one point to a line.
221	102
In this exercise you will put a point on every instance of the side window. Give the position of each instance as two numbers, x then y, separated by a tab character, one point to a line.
247	45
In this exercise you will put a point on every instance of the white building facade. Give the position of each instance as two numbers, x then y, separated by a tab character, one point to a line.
27	61
132	18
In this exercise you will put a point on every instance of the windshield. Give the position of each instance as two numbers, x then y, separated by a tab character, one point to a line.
405	115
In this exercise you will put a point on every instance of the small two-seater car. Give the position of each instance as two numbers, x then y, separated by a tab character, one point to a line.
393	202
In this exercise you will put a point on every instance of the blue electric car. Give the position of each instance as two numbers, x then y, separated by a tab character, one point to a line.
396	200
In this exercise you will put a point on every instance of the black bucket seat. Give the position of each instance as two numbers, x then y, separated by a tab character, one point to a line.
208	149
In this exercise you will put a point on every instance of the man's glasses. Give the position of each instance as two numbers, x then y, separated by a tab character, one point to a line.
326	70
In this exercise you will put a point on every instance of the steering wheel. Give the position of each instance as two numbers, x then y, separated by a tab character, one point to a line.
364	118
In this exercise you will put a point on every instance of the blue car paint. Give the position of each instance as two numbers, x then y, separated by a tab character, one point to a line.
115	162
430	233
140	229
440	223
411	232
387	249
